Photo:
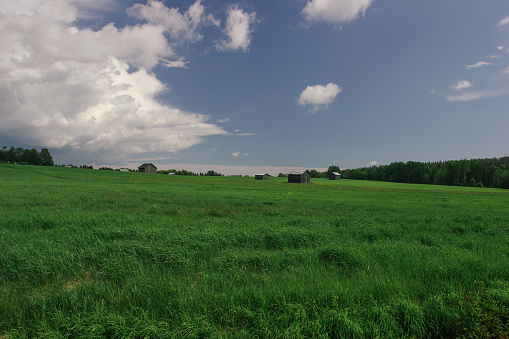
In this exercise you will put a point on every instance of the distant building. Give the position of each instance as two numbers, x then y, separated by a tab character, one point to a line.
147	168
335	176
171	173
299	177
124	170
263	176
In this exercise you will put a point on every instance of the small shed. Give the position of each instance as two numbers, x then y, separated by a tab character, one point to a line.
147	168
299	177
124	170
262	176
335	176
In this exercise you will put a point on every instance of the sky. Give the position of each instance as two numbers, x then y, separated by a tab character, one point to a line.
251	86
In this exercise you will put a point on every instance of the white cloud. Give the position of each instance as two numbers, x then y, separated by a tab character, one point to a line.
238	30
462	85
319	96
180	63
180	26
335	11
504	21
61	86
373	163
225	120
473	95
237	132
237	154
479	64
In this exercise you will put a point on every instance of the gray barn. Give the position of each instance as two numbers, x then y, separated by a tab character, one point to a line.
147	168
299	177
335	176
263	176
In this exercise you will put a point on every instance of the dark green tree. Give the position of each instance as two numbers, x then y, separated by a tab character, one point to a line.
46	158
332	168
32	157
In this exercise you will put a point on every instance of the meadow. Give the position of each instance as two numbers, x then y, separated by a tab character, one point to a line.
103	254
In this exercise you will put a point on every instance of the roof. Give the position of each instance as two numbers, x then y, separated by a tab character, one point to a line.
262	174
145	165
336	173
298	172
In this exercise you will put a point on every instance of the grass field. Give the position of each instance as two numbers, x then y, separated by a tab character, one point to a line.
95	254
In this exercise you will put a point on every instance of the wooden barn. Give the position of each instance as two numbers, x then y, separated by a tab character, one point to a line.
299	177
335	176
263	176
147	168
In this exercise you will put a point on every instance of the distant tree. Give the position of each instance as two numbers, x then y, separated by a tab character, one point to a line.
282	175
32	157
46	158
331	169
3	154
314	173
212	173
11	154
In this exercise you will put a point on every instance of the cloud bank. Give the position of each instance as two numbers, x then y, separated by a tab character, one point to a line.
318	97
93	89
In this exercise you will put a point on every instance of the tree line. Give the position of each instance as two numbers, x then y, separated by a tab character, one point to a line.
475	172
186	172
26	156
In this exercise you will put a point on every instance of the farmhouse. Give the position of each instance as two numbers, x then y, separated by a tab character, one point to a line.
262	176
335	176
147	168
299	177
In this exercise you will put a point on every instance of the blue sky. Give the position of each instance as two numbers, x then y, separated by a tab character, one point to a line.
247	86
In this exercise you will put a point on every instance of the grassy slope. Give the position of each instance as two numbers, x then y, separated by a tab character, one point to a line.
109	254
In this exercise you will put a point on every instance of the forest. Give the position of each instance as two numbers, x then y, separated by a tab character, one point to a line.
26	156
492	172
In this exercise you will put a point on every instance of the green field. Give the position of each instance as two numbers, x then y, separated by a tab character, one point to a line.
103	254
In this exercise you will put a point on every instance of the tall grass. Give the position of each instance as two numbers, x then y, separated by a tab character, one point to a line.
108	254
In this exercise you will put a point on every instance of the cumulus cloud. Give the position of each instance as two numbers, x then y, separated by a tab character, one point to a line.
373	163
461	85
335	11
238	30
319	97
479	64
61	86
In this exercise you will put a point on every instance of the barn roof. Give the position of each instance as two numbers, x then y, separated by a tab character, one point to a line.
298	172
145	165
262	174
336	173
